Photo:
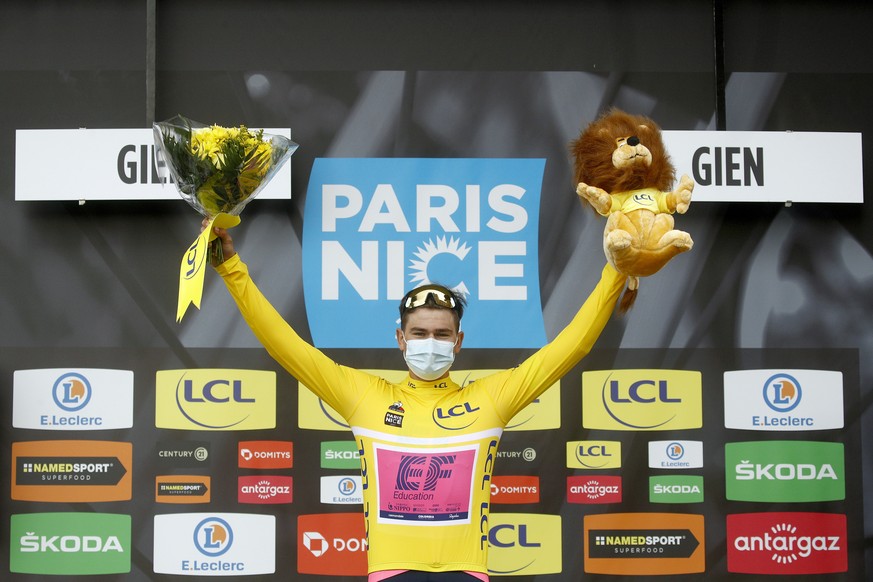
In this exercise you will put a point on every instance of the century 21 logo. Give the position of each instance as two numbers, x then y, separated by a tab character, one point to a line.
642	399
215	399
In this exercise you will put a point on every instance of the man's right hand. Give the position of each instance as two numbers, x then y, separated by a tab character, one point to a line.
227	247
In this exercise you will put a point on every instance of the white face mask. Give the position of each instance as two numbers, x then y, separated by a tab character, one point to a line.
429	358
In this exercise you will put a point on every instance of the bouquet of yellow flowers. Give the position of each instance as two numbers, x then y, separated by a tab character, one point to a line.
217	170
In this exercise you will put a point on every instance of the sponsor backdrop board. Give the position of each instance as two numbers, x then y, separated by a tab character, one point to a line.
710	495
91	286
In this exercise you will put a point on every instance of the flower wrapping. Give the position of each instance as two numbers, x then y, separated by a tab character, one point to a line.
217	170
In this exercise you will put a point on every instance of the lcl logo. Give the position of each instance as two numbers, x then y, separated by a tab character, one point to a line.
642	399
510	535
446	417
640	392
594	454
214	399
214	391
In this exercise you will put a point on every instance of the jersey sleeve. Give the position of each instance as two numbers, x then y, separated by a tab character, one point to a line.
513	389
340	386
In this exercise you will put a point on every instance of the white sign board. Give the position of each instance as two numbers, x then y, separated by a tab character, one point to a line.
769	166
103	164
727	166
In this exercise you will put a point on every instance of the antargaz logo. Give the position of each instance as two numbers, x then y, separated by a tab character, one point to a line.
265	489
785	471
206	399
642	399
594	489
791	543
375	228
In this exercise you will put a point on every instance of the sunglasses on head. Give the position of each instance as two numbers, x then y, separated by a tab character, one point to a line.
429	294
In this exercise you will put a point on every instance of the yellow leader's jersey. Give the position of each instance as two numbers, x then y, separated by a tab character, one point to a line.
646	199
427	448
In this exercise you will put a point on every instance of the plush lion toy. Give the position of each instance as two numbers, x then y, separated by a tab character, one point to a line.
624	172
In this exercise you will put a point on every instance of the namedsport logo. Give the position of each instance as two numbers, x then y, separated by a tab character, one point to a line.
71	471
644	544
375	228
183	489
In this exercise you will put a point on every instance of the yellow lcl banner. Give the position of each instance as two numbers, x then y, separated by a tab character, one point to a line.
194	261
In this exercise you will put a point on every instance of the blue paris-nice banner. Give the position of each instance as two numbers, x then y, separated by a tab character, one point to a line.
376	228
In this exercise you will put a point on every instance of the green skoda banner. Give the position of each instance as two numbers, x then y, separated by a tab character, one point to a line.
340	455
676	489
69	543
784	471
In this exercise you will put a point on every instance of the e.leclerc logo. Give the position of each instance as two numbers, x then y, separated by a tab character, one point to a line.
675	454
72	399
214	544
783	400
214	399
784	471
374	228
642	399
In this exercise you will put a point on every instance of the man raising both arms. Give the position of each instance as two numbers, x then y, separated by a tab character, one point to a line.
426	475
